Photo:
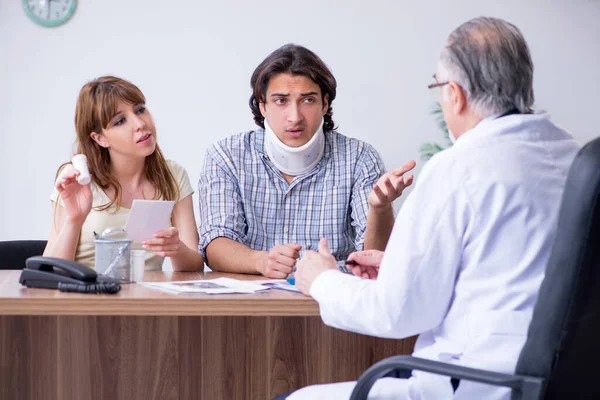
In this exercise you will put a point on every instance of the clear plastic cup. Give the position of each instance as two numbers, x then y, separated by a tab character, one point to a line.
138	264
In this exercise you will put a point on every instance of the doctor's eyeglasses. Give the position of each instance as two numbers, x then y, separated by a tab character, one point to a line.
436	85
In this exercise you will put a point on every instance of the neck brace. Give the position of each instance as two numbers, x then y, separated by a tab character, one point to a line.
294	160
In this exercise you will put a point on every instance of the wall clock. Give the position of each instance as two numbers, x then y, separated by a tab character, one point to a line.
49	12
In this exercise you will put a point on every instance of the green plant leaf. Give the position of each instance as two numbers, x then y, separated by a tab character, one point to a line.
429	149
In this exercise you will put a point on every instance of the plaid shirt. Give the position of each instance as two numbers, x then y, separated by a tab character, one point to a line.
243	197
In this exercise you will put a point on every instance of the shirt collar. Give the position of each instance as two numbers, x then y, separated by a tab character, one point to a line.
494	125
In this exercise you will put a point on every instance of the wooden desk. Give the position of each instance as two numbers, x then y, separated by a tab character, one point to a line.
146	344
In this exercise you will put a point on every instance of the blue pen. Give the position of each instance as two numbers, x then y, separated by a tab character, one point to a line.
290	278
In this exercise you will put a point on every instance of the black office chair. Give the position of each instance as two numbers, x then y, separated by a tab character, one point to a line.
13	253
560	358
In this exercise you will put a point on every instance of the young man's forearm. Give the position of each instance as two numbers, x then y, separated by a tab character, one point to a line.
226	255
380	222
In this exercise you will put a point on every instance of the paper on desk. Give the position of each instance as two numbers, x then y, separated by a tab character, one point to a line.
279	284
212	286
147	217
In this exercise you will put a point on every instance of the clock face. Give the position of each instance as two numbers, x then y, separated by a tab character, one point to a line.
49	12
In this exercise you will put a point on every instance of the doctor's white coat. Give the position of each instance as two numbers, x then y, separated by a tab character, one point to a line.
465	259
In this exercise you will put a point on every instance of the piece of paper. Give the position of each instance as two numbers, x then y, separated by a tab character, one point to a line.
267	282
283	286
212	286
146	217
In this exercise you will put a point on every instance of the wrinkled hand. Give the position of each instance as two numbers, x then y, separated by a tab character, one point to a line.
76	198
280	261
368	263
165	243
312	265
390	186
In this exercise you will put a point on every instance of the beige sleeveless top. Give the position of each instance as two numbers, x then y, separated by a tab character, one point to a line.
98	221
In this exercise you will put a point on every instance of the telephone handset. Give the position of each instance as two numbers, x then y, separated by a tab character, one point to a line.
65	275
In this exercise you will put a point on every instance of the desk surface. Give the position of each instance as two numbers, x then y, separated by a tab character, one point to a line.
134	299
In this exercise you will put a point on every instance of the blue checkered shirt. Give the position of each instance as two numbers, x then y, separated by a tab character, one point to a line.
244	197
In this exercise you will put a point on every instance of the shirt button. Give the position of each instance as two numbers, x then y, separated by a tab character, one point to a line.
286	230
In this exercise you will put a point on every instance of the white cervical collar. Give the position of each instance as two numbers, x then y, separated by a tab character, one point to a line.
294	161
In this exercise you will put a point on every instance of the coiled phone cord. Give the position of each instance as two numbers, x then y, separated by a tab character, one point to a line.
101	287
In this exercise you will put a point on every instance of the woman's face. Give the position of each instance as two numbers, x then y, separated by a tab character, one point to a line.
130	132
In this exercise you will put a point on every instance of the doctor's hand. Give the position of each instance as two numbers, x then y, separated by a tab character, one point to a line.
312	265
368	263
279	262
76	198
165	243
390	186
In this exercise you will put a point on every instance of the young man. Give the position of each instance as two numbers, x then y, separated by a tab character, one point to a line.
269	194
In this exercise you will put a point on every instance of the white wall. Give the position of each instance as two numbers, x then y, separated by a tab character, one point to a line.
193	60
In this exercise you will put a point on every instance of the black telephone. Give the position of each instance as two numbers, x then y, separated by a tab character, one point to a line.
65	275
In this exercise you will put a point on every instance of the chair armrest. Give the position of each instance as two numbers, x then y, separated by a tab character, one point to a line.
524	387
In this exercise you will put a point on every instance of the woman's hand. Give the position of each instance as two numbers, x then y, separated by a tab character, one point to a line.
76	198
165	243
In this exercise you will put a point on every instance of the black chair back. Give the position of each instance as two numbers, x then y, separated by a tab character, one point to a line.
13	253
563	341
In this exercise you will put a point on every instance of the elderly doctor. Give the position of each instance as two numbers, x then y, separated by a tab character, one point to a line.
469	247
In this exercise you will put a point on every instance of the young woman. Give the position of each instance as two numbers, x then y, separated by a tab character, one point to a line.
116	133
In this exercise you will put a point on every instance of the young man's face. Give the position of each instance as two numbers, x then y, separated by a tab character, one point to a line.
293	108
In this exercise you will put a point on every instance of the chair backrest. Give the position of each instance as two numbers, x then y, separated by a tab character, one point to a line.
563	341
13	253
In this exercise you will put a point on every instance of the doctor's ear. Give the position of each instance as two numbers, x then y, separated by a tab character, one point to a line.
99	138
457	97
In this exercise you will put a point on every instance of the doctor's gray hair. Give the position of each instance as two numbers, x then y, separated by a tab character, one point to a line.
489	58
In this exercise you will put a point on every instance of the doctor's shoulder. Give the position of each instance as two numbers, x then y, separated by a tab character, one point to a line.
445	166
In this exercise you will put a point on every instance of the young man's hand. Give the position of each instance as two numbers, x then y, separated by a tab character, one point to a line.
279	262
312	265
391	185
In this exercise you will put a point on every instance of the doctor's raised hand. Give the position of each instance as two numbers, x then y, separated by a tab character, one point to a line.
76	198
312	265
390	186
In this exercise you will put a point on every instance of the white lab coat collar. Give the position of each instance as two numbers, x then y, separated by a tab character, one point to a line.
492	126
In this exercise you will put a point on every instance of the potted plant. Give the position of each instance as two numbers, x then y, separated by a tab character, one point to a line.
429	149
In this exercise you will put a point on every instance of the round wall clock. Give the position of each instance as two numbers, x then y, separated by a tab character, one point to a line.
49	12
